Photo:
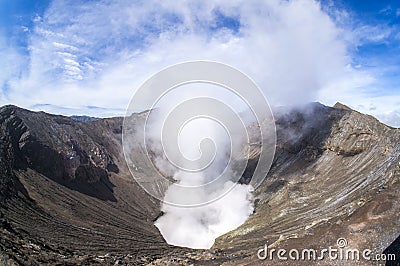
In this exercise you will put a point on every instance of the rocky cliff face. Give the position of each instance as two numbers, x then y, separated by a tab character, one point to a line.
67	196
336	175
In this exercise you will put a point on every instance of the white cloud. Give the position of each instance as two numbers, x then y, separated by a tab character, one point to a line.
284	46
98	52
391	119
372	33
10	64
386	10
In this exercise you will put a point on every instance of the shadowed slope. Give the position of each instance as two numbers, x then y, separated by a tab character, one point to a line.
66	189
67	196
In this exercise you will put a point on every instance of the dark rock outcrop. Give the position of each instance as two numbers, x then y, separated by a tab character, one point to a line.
67	196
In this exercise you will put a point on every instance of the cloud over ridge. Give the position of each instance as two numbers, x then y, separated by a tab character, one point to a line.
103	50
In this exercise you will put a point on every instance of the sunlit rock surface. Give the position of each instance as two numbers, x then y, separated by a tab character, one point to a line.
67	196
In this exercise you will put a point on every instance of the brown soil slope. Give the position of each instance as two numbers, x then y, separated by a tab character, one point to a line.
67	197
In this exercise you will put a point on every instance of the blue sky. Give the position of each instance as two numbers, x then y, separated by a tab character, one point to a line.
70	58
18	16
383	52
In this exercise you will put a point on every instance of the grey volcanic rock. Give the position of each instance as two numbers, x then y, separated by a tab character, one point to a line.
337	177
67	196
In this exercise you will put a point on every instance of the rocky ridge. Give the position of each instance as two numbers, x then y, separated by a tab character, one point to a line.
67	196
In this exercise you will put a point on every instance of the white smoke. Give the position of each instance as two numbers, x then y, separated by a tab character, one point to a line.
199	226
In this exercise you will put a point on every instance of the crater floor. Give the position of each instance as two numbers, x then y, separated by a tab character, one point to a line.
67	197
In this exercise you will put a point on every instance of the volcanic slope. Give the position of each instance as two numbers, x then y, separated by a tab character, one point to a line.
67	196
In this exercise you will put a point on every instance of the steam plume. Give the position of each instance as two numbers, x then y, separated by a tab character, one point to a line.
196	146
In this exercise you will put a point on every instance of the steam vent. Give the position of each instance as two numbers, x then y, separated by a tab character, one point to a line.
68	198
